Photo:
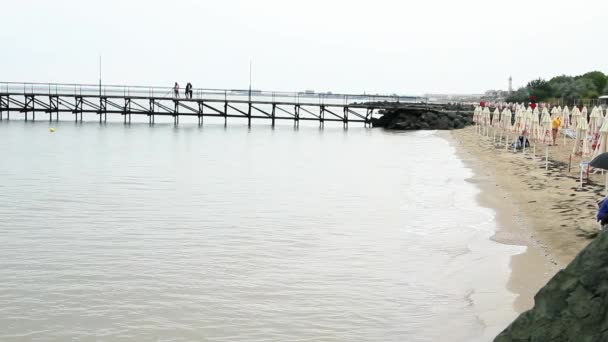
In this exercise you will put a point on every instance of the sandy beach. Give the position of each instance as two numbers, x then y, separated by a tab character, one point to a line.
545	210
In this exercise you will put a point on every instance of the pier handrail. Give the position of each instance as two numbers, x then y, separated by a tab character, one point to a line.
197	93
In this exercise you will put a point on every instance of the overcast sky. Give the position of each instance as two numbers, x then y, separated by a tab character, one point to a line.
385	46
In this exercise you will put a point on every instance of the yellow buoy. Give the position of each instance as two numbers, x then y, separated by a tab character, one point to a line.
52	129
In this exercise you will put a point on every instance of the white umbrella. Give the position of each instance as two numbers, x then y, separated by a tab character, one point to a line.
535	132
547	138
584	112
555	112
519	125
595	122
576	114
566	117
477	118
505	124
566	123
581	144
486	119
528	122
495	123
602	144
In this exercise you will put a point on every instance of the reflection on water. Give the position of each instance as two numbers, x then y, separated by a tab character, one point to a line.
132	232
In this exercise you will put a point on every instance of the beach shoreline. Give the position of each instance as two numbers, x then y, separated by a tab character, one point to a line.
531	207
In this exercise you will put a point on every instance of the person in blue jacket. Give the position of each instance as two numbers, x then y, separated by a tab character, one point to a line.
602	213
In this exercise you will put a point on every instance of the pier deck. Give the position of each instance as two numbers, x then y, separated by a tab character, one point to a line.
28	99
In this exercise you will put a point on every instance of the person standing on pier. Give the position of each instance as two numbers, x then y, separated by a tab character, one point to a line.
176	90
189	90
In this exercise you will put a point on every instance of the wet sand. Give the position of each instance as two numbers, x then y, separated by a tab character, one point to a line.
546	211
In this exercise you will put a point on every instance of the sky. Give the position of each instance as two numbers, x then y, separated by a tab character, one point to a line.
381	46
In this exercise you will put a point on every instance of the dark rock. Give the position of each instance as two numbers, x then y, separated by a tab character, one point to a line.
414	118
573	306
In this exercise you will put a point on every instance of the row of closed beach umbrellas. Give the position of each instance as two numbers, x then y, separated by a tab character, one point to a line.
589	130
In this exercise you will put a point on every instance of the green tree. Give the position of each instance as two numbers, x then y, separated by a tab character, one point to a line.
540	89
558	84
598	78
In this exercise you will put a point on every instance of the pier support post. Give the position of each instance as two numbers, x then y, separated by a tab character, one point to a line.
201	113
249	115
225	113
175	112
274	107
151	114
321	116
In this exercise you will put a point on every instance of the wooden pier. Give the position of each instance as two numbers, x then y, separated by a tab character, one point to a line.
28	99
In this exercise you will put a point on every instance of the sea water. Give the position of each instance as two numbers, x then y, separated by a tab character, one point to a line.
131	232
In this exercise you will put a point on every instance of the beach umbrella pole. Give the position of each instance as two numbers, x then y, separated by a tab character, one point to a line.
546	157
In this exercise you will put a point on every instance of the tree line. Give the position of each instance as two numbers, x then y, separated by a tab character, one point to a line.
566	89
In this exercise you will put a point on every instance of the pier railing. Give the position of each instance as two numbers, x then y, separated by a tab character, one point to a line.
24	88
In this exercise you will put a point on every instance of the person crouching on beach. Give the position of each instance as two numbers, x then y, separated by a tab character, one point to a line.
602	213
556	124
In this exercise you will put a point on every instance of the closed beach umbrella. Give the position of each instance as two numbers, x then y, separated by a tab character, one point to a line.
555	112
576	114
486	119
547	139
495	123
518	125
595	123
545	123
535	132
476	118
602	143
585	113
566	117
528	123
581	144
595	120
496	118
505	124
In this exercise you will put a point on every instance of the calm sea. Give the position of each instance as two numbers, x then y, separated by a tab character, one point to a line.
113	232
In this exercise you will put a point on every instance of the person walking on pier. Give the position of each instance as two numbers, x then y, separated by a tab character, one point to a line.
176	90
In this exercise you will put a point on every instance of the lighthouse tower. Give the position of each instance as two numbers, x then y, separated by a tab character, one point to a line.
510	84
